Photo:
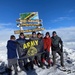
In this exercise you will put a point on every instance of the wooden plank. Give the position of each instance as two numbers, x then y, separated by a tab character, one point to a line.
21	25
26	31
19	20
28	35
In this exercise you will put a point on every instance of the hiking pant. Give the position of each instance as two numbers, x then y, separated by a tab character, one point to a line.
12	62
31	62
46	57
61	57
38	60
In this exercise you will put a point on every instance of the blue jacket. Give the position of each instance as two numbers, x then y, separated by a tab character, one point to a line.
11	49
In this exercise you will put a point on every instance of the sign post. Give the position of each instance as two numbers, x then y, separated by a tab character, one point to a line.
27	20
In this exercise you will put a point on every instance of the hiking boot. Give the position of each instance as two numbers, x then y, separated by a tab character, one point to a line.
39	65
9	71
62	65
26	68
42	67
48	66
32	67
63	68
16	73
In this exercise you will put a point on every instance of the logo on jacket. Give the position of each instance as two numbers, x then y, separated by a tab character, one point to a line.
32	51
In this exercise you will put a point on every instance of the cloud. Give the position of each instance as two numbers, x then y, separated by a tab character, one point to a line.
7	25
67	34
7	29
5	34
1	27
62	19
70	45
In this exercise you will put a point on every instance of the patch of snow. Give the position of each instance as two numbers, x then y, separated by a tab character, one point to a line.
69	60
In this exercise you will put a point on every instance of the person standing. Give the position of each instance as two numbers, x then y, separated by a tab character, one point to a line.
57	47
32	38
40	50
20	41
47	45
12	54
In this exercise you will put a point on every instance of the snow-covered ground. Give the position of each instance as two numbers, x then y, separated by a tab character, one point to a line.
69	60
3	52
70	45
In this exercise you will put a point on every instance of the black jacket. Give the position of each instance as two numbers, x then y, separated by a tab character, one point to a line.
57	43
41	45
20	43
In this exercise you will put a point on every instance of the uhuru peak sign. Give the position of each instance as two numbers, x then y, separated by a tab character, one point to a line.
30	19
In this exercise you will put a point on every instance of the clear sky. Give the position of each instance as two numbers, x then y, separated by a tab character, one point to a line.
54	13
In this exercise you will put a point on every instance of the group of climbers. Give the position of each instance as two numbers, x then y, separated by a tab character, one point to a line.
46	44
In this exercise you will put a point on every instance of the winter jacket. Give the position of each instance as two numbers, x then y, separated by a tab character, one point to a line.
47	43
21	40
33	38
20	43
56	43
11	49
40	45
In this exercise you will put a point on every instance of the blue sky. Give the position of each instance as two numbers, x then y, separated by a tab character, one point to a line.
54	13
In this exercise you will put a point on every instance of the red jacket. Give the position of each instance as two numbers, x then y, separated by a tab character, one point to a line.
47	43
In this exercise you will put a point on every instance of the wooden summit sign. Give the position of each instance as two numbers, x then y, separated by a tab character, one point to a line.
31	20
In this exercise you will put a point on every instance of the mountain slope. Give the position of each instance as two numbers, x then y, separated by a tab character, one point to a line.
69	62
